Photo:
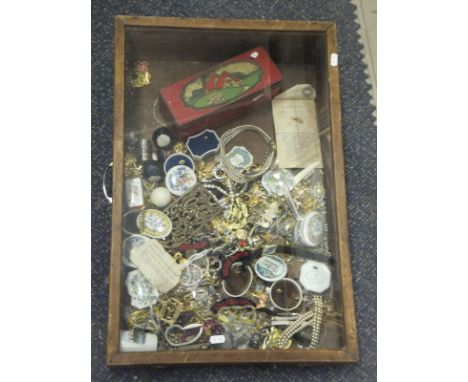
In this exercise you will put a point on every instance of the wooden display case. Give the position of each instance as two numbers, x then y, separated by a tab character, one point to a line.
305	52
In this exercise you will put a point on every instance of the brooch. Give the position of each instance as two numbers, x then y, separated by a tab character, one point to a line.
140	75
180	179
240	157
274	182
154	223
140	290
203	144
178	159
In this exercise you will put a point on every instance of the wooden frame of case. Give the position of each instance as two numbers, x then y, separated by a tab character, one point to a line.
349	352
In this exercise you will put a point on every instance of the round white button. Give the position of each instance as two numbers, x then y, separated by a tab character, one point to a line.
161	197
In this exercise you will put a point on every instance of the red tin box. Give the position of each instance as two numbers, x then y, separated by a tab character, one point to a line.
221	93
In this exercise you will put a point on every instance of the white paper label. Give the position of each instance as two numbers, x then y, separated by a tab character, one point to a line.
297	135
158	266
333	59
219	339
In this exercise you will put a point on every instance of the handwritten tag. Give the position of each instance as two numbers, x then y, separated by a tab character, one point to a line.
296	126
158	266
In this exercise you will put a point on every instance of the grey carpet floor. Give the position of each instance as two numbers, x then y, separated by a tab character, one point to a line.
360	158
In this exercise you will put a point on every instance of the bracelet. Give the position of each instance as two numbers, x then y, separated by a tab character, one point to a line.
233	173
317	320
312	318
171	332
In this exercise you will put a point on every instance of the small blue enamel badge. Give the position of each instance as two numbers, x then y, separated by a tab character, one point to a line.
203	144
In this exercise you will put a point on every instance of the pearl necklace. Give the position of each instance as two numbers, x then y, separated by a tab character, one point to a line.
232	172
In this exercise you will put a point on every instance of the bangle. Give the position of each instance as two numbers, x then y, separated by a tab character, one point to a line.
173	332
233	173
246	286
